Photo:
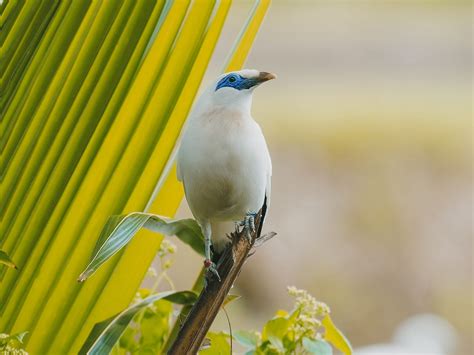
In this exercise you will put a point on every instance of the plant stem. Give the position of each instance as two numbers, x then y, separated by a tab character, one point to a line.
204	311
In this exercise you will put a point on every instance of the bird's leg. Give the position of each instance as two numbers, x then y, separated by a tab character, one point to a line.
208	264
249	225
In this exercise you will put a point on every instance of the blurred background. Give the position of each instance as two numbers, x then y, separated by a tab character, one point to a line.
369	127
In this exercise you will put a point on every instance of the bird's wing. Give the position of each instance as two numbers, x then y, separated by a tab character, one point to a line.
264	212
268	190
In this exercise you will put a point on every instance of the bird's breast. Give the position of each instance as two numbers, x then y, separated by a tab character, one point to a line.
222	171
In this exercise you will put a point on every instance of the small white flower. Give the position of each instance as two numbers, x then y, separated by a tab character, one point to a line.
308	323
166	248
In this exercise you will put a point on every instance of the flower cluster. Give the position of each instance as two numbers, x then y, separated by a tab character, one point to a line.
6	348
309	313
166	248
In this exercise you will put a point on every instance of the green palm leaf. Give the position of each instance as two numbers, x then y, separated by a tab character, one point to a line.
119	230
94	96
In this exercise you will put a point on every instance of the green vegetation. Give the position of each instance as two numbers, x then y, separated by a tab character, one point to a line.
96	93
12	344
146	326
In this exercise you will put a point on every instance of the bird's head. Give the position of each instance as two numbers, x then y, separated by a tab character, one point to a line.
235	88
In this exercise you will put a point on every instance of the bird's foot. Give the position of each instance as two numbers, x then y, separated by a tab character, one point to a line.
249	225
211	268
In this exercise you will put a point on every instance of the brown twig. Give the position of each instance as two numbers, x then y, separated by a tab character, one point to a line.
204	311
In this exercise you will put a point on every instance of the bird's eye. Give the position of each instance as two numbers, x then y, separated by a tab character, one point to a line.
232	79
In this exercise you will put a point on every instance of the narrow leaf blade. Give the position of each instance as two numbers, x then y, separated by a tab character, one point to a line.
19	336
335	336
122	228
105	334
119	231
5	259
229	299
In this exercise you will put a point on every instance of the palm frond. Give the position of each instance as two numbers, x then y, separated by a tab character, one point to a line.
92	105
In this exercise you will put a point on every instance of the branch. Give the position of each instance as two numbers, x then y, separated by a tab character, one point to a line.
204	311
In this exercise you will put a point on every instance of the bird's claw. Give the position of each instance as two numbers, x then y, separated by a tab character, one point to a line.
237	225
211	267
249	225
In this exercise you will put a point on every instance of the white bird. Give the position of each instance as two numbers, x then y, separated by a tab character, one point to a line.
223	160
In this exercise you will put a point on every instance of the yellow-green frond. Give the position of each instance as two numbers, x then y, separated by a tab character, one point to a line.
93	102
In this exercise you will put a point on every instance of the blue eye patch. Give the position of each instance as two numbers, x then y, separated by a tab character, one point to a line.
236	81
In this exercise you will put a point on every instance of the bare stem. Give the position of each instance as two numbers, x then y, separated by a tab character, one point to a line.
204	311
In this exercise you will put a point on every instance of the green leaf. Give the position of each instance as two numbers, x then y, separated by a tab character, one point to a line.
112	222
335	337
219	344
186	230
275	330
127	340
281	313
247	339
229	299
119	231
184	298
293	317
105	334
19	336
154	326
318	347
5	259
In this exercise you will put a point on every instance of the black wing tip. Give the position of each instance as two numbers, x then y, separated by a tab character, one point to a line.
262	220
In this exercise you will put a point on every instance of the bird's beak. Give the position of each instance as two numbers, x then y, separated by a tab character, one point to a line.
264	76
